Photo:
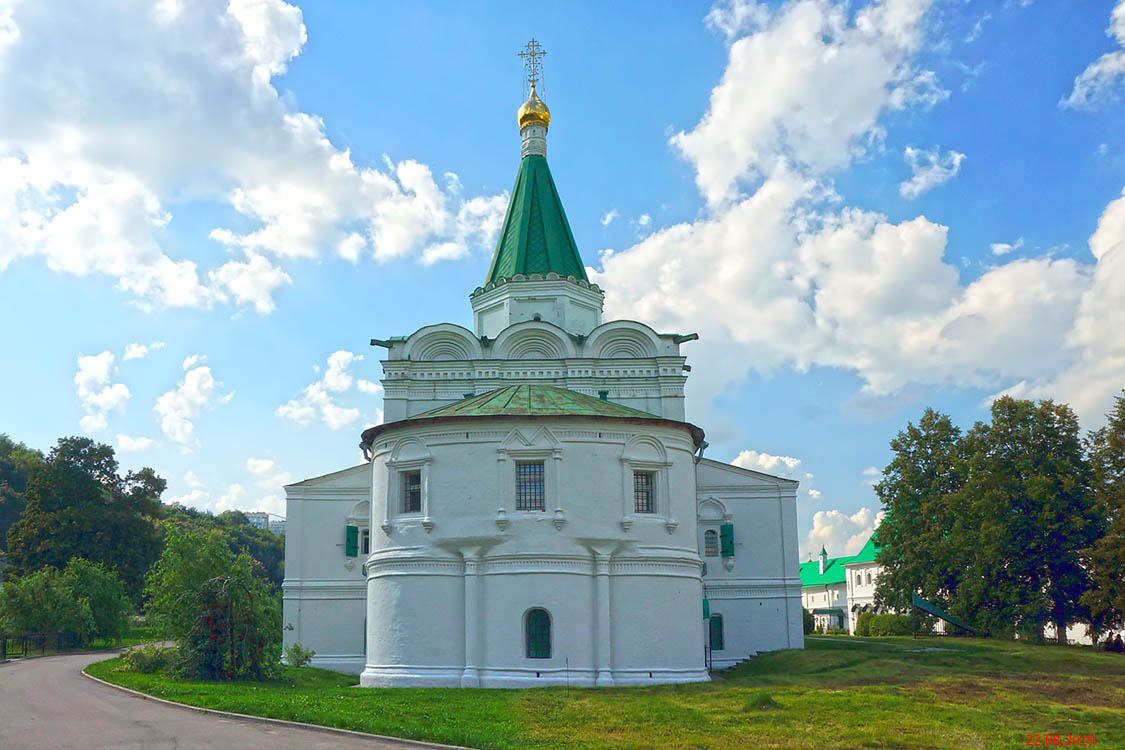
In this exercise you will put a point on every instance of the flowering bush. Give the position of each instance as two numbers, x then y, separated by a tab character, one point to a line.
235	633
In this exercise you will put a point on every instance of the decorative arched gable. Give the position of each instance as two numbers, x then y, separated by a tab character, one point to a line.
533	339
441	343
624	339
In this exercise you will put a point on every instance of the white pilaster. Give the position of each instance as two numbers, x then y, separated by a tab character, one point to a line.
471	676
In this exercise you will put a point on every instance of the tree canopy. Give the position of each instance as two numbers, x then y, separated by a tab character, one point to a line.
78	506
994	525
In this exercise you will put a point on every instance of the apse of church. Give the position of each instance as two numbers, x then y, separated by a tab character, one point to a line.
535	509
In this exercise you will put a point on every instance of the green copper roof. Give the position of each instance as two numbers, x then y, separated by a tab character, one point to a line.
536	237
534	401
834	567
528	400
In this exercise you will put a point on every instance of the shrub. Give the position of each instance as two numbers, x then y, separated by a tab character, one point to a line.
42	602
863	623
104	594
148	659
217	607
891	625
807	620
298	656
235	633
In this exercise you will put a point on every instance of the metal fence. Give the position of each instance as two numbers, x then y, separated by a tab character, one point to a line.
31	643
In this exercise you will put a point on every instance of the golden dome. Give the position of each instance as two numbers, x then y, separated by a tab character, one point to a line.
533	110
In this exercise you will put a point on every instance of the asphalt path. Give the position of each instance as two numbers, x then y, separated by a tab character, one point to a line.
46	703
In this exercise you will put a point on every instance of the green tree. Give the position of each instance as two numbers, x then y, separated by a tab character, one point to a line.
16	463
104	595
42	602
1028	490
924	535
1105	560
78	506
263	545
217	606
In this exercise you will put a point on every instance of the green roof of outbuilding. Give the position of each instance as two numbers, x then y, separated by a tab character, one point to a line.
536	236
528	400
833	572
834	567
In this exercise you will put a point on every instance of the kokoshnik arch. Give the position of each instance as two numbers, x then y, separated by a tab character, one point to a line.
535	510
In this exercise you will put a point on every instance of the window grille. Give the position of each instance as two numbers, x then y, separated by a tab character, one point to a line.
538	634
642	492
365	541
711	543
529	486
716	632
412	492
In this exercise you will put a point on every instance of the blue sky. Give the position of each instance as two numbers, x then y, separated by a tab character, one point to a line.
863	210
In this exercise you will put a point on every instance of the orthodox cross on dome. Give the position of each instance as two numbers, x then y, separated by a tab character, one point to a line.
533	62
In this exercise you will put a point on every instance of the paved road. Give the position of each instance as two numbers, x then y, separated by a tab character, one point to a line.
46	703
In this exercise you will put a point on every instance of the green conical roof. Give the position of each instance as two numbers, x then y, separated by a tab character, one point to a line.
536	237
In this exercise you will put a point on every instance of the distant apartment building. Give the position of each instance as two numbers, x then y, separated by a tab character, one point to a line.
263	520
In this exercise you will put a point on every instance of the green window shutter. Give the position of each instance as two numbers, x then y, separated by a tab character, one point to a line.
726	540
706	609
351	541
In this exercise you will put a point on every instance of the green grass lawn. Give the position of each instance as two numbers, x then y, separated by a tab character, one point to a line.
836	693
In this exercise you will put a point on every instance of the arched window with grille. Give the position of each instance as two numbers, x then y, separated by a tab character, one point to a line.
711	543
537	629
716	632
869	578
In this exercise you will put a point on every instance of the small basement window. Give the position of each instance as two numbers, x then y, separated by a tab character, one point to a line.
412	492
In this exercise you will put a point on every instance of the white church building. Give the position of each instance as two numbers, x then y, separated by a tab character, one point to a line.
535	509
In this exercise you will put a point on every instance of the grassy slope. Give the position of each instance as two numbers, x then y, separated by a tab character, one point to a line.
837	693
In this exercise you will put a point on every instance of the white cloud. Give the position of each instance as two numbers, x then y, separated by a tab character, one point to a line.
92	168
643	221
179	407
135	351
779	466
978	28
1003	248
193	499
1098	81
609	216
98	394
318	402
928	170
192	360
787	278
737	16
805	88
191	480
1091	362
366	386
839	533
268	474
872	475
127	444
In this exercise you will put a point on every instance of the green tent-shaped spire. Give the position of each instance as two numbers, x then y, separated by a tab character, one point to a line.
536	236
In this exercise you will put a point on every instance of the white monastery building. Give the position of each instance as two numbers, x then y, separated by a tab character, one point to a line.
535	509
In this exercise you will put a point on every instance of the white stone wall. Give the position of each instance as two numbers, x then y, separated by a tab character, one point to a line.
758	590
449	586
323	595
